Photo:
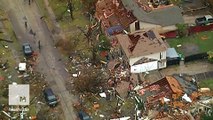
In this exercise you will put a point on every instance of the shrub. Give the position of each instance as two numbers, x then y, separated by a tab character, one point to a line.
210	56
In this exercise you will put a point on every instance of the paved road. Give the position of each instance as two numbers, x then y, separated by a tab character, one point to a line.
50	64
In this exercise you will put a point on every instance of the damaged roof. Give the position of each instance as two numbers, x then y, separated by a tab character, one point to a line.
144	60
141	43
173	84
112	13
159	89
166	16
188	87
167	87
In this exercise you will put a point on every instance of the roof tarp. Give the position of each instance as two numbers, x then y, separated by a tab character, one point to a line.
114	29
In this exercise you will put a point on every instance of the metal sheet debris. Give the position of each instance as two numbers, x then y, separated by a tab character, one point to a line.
103	94
22	66
185	97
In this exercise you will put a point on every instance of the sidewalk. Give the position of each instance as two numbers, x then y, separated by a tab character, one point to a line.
190	68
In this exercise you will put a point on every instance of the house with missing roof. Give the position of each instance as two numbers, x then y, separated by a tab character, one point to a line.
144	50
132	15
113	16
163	17
173	89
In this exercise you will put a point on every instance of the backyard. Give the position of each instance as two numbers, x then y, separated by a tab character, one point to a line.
207	83
196	43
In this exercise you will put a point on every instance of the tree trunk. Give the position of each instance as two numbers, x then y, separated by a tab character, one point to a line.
70	7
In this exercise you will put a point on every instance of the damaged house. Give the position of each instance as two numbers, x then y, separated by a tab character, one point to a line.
161	15
174	90
113	16
132	15
144	50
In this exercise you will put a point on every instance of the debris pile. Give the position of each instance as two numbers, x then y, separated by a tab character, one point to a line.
172	97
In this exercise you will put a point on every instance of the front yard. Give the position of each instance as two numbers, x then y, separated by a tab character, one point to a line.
196	43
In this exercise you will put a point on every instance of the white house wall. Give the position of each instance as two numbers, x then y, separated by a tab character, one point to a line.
144	67
160	29
132	27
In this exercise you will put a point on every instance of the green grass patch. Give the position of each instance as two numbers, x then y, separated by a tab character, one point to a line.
63	16
32	110
207	83
9	54
204	41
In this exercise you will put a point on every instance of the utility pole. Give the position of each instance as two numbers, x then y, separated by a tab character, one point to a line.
70	7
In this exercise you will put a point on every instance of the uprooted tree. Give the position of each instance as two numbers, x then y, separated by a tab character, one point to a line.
89	80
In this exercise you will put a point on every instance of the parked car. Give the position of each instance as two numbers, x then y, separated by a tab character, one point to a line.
83	116
27	49
50	97
205	20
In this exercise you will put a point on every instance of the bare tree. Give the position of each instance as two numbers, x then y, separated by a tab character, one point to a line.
70	7
92	35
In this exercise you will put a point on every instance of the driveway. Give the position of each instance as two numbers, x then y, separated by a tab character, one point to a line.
190	68
194	10
49	62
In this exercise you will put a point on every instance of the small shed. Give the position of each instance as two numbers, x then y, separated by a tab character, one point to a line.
171	53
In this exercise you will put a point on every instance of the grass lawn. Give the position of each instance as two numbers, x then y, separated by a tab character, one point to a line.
8	54
68	26
63	16
207	83
203	41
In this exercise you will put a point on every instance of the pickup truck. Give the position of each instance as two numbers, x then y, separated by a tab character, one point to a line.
205	20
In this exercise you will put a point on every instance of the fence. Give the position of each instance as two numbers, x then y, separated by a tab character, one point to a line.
173	62
171	34
191	30
196	57
203	76
196	29
190	58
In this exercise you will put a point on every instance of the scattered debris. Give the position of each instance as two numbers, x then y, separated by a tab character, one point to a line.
1	78
22	67
203	90
103	95
185	97
123	118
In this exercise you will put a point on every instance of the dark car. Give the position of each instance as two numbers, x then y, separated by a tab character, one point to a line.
27	49
83	116
50	97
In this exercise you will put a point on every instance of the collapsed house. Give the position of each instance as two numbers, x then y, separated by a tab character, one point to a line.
174	91
113	16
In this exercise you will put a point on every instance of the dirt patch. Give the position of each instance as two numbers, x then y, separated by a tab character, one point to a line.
189	49
192	5
196	7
